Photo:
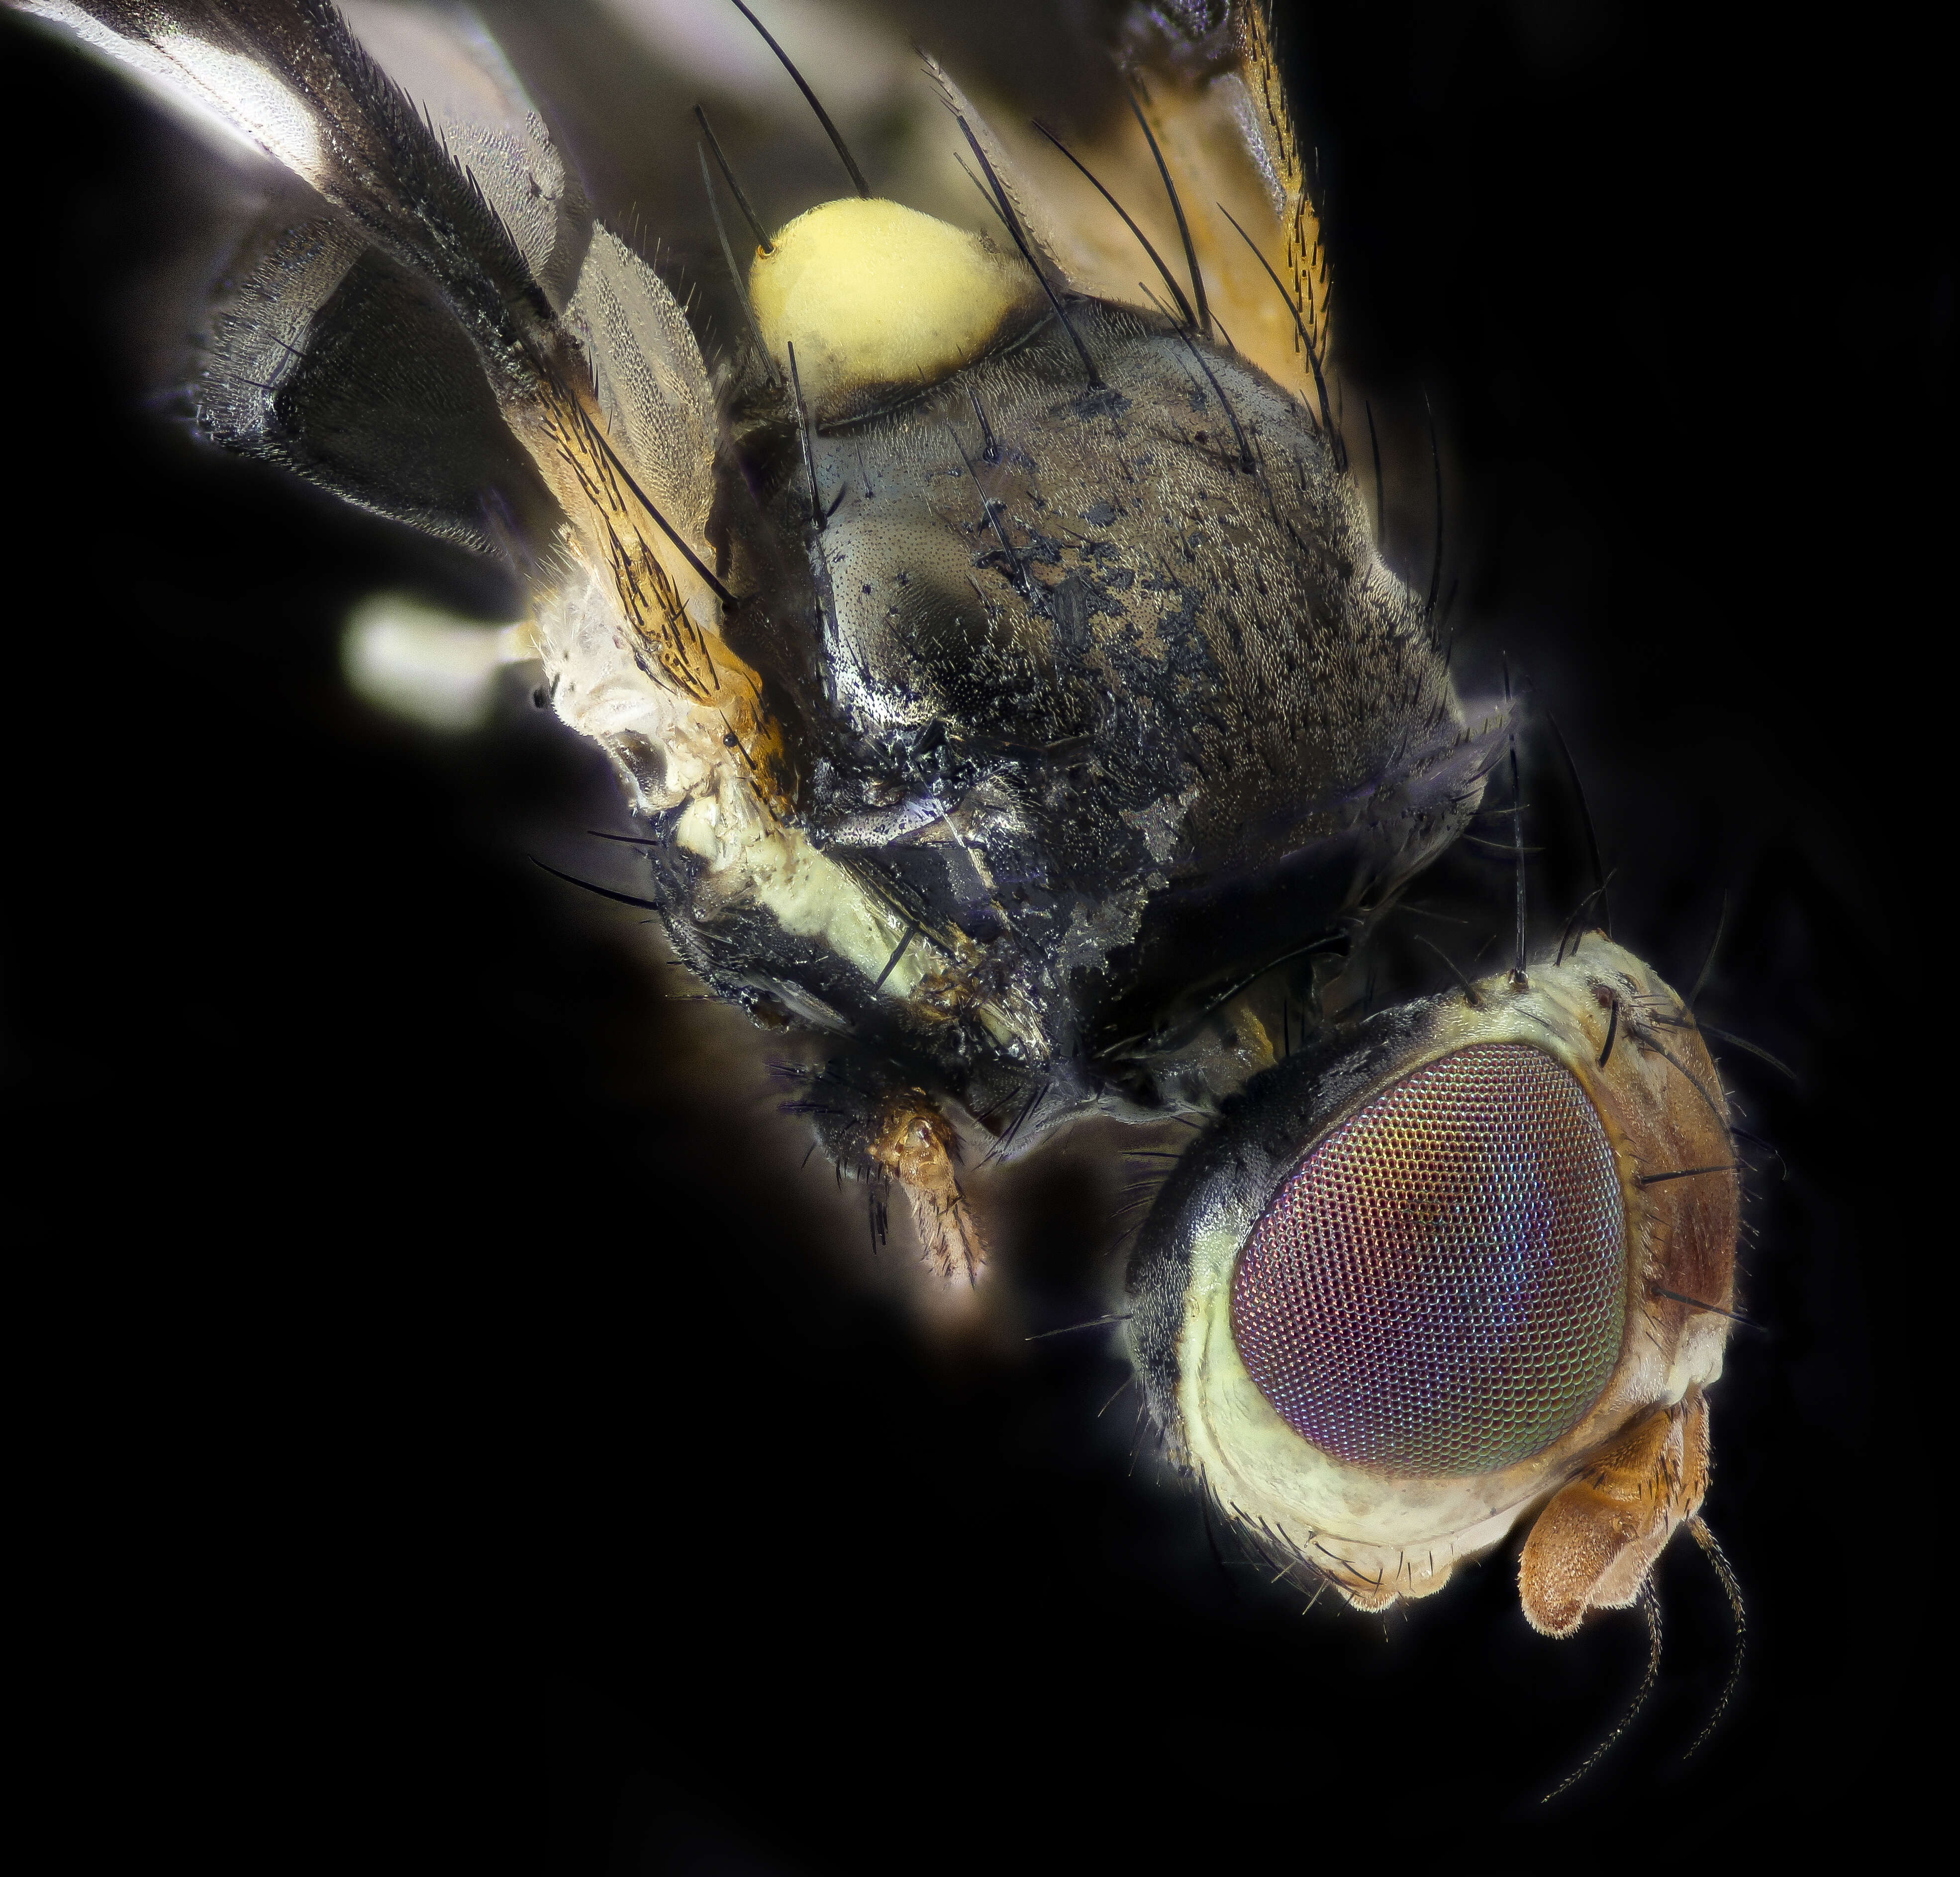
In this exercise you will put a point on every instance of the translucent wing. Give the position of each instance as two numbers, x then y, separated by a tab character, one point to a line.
1208	81
331	359
458	76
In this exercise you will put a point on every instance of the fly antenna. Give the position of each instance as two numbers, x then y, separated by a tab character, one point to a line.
728	255
1698	1530
822	117
749	215
1650	1609
1176	208
1312	352
1144	240
1519	981
1005	211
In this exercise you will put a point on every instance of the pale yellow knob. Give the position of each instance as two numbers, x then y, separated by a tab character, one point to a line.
878	299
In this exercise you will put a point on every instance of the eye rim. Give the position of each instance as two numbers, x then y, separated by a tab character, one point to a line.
1397	1536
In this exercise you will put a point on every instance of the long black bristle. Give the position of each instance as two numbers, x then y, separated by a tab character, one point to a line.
816	514
1333	436
911	932
1728	1036
1586	817
1069	1329
1177	209
734	188
1231	416
1708	963
1375	450
734	273
1518	979
1156	260
1687	1172
830	130
1005	210
1566	932
1470	996
989	508
604	892
599	440
990	451
1714	1310
1436	465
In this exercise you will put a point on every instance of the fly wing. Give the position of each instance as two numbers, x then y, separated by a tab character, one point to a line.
1030	209
1217	101
290	76
457	76
333	361
1207	80
336	352
452	200
652	382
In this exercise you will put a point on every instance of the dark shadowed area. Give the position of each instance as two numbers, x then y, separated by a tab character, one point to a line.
452	1422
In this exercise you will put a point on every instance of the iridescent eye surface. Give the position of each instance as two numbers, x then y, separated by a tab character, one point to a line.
1439	1287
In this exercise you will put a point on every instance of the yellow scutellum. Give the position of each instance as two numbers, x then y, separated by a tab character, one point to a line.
873	294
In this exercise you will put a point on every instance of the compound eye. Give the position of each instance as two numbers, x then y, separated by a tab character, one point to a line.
1439	1287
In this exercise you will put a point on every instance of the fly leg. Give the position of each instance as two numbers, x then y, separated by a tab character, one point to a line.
884	1132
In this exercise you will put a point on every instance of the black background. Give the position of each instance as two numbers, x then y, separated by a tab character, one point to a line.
446	1435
